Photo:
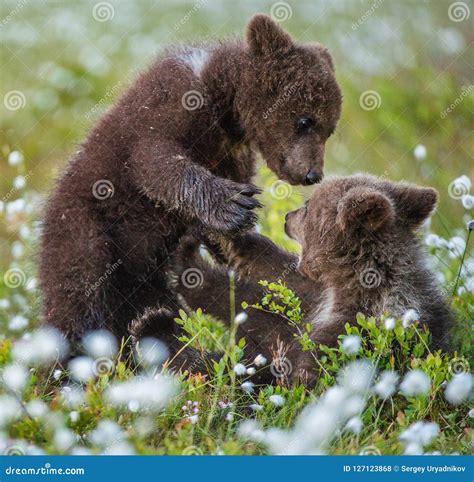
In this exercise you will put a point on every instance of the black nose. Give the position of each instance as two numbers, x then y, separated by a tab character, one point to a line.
312	178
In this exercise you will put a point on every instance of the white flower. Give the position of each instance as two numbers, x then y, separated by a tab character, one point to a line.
459	388
409	317
144	426
15	158
74	416
390	323
80	451
353	405
152	352
194	419
18	249
150	393
469	285
285	442
440	278
19	182
11	409
420	152
461	290
413	449
247	387
64	439
354	425
120	448
25	232
18	206
100	343
351	344
256	407
14	208
37	408
57	374
435	241
456	247
72	396
420	434
335	396
31	284
54	420
251	371
468	201
387	384
357	376
314	428
229	417
43	346
470	414
241	318
415	383
106	433
260	361
18	323
251	430
469	264
15	377
277	400
33	450
240	369
82	368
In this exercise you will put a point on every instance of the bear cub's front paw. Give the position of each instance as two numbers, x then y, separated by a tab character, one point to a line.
232	205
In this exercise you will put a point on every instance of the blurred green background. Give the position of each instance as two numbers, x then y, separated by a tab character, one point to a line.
401	66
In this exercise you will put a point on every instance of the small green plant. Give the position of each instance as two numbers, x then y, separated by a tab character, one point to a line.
203	332
281	300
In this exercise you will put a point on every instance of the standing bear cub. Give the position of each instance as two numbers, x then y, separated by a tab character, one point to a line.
360	253
176	153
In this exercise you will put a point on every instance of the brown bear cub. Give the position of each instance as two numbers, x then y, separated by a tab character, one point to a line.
176	153
360	253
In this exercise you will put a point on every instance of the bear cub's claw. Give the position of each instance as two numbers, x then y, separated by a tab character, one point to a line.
235	208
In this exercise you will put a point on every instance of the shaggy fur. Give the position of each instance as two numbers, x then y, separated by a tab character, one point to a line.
360	253
176	153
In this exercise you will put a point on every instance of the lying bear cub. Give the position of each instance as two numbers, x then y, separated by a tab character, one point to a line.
360	253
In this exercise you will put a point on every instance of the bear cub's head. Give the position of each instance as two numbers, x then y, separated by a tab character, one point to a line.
290	101
359	221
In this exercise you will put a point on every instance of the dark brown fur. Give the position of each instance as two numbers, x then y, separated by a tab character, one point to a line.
169	170
360	253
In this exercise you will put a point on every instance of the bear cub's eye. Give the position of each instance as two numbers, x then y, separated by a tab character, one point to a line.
304	124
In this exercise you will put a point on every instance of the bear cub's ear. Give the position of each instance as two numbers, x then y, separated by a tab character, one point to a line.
414	204
364	207
265	37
